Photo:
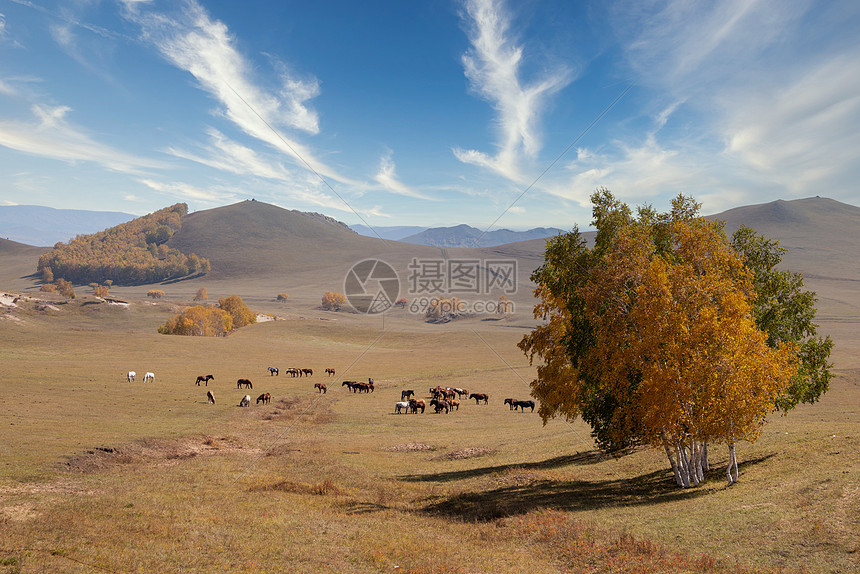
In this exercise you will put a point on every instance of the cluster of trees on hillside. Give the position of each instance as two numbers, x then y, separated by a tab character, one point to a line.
209	321
668	333
131	253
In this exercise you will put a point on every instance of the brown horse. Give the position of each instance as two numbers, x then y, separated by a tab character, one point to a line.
415	404
308	372
244	383
480	397
322	388
204	379
439	405
454	404
350	385
210	395
265	398
329	372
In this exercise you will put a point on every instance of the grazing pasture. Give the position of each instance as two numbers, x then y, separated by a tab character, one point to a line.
98	474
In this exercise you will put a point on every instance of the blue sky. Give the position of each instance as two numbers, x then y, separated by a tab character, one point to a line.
484	112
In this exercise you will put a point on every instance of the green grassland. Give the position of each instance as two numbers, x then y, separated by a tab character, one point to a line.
99	474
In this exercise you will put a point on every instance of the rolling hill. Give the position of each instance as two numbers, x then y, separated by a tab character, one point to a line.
467	236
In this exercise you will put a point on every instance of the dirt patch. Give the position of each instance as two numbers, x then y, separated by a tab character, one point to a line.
471	452
410	447
148	451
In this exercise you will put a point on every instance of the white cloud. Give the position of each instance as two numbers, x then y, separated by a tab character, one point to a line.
192	41
493	66
387	178
53	137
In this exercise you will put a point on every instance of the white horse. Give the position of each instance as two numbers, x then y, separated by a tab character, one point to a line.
149	377
130	376
401	406
246	401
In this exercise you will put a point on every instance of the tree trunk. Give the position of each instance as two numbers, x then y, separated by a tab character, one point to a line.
732	467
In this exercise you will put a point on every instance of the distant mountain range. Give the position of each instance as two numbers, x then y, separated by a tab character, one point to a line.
456	236
392	232
45	226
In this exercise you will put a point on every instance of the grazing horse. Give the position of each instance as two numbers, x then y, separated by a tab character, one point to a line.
511	403
401	406
274	371
524	404
149	377
362	387
322	388
130	376
329	372
454	404
204	379
480	397
415	404
292	372
246	401
265	398
407	394
448	394
350	385
210	395
440	404
244	383
461	392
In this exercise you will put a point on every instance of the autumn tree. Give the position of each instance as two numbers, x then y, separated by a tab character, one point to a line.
202	294
650	336
237	309
65	288
332	301
199	321
101	291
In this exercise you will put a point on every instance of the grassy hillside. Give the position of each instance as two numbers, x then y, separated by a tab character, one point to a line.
129	253
101	474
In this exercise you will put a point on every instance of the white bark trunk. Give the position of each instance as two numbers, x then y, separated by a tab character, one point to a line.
732	467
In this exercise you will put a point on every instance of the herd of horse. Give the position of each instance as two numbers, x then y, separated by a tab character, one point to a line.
445	399
295	372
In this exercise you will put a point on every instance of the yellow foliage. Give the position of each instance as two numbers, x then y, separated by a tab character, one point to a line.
240	313
333	301
199	321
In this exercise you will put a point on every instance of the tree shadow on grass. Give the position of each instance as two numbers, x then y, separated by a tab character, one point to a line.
581	459
578	495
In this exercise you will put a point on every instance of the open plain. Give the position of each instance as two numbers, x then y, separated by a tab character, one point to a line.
101	474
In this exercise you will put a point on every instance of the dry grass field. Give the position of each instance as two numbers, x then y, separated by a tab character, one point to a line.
101	475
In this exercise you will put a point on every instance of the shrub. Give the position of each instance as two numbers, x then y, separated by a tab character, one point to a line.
237	309
101	291
48	288
65	288
155	293
202	294
333	301
282	297
199	321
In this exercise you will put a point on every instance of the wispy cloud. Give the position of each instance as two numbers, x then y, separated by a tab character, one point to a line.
51	135
387	178
493	66
192	41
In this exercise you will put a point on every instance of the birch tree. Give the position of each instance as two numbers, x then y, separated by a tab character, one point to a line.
651	337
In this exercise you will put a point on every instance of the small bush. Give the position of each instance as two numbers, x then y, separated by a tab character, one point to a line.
282	297
202	294
155	293
48	288
332	301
